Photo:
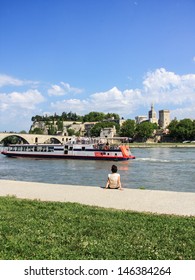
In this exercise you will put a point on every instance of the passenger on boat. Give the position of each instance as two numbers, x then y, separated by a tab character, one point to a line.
107	146
114	181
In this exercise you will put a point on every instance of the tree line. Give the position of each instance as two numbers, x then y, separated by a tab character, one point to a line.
128	129
90	117
178	130
182	130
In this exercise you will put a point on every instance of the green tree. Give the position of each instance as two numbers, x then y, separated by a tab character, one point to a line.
172	128
193	130
112	115
36	131
12	140
96	129
71	132
37	118
72	116
128	129
144	130
60	125
185	129
52	130
64	116
182	130
94	117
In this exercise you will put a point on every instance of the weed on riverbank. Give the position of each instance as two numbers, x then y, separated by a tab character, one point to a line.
54	230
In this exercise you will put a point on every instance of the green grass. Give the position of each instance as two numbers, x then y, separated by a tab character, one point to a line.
54	230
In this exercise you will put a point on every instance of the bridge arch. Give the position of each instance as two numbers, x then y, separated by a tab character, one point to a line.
19	136
36	138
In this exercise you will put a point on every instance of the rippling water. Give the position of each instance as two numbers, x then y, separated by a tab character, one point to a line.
154	168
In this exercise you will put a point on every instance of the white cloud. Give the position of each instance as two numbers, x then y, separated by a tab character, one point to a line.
69	89
166	89
193	58
17	109
56	90
122	102
75	105
26	100
163	88
112	100
160	80
6	80
63	89
185	112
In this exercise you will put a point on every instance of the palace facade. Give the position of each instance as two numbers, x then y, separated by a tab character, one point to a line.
163	121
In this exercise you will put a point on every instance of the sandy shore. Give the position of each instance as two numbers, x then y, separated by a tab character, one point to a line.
162	202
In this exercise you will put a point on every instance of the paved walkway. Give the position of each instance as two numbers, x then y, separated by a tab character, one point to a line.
162	202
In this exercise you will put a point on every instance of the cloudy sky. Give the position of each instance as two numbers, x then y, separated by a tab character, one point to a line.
115	56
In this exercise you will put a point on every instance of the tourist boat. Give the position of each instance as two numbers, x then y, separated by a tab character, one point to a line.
70	150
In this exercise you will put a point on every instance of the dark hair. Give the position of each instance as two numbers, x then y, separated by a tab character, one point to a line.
114	168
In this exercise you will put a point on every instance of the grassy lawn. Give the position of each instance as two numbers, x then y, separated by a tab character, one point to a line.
54	230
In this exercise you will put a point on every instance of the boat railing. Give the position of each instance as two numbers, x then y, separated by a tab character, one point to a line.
3	149
97	143
84	140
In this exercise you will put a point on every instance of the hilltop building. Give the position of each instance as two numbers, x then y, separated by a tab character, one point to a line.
163	121
164	118
108	132
152	115
67	128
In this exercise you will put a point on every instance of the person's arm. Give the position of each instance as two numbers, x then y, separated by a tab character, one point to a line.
107	184
119	182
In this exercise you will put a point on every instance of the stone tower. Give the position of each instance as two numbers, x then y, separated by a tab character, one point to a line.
152	115
164	118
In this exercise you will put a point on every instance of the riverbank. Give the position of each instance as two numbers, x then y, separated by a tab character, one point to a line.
161	202
162	145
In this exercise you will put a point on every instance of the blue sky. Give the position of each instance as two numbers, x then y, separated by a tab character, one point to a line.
115	56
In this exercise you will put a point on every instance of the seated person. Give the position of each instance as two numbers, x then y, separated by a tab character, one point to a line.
114	181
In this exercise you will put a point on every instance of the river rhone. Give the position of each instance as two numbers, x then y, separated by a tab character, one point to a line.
171	169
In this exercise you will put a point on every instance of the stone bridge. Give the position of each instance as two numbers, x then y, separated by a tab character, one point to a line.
35	138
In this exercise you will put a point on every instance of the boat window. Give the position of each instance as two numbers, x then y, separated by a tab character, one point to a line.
71	148
50	149
83	148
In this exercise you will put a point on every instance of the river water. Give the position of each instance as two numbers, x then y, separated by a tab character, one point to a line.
171	169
